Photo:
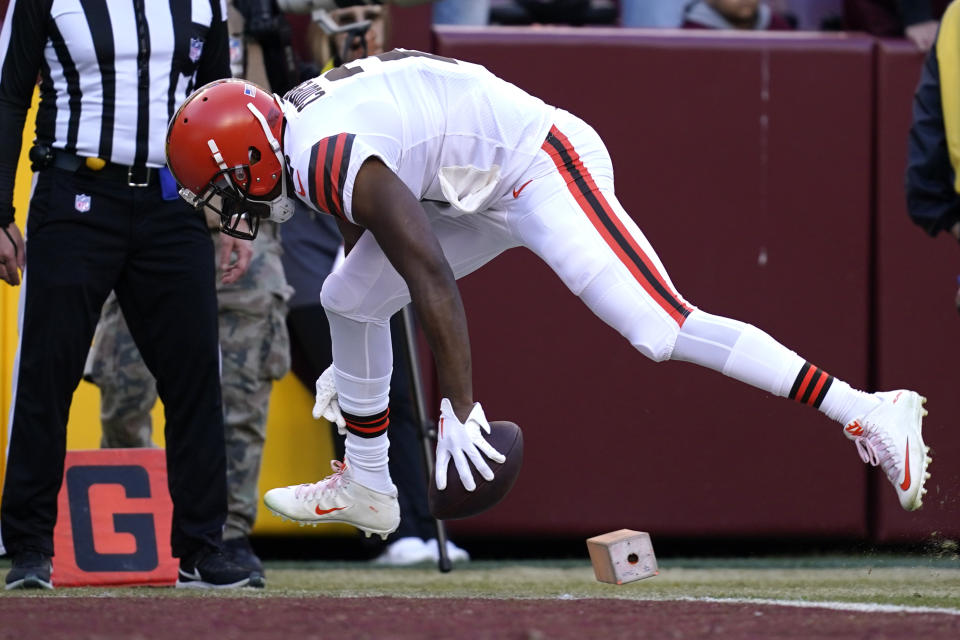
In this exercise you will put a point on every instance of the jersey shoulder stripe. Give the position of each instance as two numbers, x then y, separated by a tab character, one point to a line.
327	174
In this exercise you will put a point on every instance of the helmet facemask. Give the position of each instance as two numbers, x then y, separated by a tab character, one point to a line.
230	199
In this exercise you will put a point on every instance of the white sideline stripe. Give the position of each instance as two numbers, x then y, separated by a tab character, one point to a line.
863	607
867	607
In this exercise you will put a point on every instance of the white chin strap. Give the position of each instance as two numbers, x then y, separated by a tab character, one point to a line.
281	207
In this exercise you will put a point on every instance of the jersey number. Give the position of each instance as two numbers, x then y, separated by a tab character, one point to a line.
306	92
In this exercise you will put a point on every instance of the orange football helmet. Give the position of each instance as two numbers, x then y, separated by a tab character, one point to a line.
223	149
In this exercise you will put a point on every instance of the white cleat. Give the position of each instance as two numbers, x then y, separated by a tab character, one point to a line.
889	437
337	498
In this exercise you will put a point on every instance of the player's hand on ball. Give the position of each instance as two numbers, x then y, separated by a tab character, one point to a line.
326	405
462	442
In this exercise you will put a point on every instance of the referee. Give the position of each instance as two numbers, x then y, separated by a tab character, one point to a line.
105	215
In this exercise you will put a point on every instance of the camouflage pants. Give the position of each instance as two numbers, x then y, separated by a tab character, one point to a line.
255	350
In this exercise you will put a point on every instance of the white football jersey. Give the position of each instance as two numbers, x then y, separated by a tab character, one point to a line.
451	130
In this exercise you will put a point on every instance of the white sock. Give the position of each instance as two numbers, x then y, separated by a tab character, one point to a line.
845	404
367	459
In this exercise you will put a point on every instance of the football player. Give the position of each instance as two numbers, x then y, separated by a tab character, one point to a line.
432	167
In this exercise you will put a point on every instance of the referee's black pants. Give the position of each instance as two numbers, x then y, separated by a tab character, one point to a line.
158	256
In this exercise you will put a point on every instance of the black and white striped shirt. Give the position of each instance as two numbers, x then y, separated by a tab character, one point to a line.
112	73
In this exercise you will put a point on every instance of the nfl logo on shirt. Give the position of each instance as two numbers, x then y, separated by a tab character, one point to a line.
196	48
82	203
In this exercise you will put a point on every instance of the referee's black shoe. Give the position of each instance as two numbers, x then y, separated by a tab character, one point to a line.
31	570
242	554
211	568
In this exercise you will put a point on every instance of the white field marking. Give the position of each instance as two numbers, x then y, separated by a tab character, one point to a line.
868	607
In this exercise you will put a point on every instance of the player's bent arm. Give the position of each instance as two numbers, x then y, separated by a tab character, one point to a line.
384	205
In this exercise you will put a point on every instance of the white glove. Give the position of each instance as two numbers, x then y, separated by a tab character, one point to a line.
326	405
461	441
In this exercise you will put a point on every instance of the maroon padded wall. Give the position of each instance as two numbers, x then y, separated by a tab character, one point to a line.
746	161
918	329
410	27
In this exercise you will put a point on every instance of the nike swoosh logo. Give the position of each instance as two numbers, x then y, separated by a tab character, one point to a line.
906	473
516	192
323	512
441	426
300	190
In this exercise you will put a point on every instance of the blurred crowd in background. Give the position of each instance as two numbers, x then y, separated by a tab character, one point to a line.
914	19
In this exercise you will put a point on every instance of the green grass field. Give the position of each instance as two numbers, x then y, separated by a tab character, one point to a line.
911	581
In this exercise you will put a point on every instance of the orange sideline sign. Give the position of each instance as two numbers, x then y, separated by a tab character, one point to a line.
113	526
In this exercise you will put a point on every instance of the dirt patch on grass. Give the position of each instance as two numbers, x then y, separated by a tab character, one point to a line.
261	616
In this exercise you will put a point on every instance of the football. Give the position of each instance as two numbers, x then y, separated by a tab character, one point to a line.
456	502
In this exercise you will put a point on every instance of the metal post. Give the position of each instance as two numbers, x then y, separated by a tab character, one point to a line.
427	432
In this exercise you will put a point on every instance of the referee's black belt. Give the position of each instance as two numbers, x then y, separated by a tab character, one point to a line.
132	176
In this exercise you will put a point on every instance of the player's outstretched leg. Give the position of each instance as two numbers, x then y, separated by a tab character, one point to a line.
582	231
886	426
338	498
890	437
